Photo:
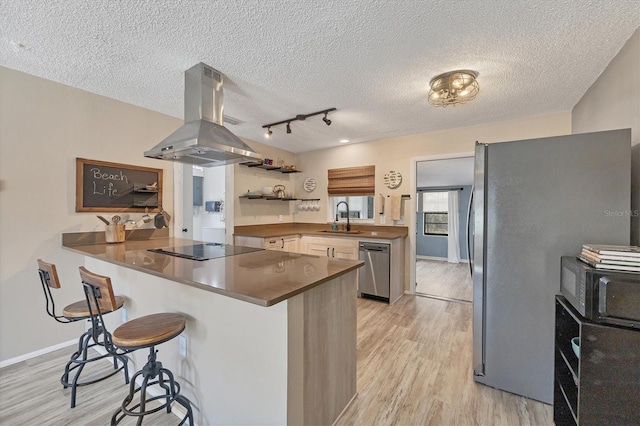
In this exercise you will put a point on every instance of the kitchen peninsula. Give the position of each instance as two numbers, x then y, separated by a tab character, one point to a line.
271	335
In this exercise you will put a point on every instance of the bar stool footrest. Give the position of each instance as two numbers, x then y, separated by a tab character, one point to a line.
172	394
81	357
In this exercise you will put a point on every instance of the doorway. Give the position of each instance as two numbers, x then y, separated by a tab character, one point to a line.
443	193
202	210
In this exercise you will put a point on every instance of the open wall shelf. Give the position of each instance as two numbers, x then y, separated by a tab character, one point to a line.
268	167
265	197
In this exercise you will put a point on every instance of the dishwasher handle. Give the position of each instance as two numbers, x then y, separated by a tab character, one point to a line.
383	248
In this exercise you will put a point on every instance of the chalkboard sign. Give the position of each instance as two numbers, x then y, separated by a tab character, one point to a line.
113	187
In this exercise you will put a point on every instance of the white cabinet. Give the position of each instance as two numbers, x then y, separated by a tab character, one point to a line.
334	247
282	243
241	240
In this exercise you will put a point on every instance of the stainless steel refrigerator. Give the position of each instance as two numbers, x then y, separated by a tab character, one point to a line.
534	201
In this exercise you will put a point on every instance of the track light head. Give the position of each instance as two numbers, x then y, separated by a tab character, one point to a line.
326	120
268	133
288	127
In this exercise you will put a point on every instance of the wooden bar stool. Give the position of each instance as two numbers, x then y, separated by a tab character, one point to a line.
143	332
79	311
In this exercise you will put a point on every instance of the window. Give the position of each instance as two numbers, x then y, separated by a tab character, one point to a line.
355	186
360	207
435	207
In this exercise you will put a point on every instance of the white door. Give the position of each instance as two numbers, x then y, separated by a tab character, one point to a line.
183	200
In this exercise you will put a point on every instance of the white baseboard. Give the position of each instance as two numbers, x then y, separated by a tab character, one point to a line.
39	352
439	259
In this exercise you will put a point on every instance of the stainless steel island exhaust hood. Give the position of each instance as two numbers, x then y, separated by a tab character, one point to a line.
203	140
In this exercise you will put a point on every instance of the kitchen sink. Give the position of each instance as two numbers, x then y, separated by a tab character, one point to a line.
329	231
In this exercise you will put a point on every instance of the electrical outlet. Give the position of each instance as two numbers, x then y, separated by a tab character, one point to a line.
182	345
382	220
280	218
123	314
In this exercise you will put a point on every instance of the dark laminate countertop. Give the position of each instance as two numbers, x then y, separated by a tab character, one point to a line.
264	277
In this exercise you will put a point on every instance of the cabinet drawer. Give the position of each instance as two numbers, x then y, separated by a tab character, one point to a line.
273	243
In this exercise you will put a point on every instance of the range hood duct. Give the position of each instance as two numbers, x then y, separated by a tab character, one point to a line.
203	140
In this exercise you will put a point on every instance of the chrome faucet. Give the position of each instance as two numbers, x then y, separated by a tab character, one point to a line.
346	204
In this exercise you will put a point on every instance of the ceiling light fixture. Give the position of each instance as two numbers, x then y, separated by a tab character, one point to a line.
299	117
344	140
268	133
453	87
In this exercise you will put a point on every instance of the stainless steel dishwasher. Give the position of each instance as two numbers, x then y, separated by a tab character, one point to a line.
374	277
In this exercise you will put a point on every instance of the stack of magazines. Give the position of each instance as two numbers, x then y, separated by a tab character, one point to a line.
618	258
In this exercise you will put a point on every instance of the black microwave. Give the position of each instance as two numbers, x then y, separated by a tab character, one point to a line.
601	295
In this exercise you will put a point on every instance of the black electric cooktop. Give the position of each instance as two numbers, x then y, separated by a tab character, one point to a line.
205	251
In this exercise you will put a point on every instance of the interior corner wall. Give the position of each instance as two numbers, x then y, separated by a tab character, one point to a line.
44	126
613	102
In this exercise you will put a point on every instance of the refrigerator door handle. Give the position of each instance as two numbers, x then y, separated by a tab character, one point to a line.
469	233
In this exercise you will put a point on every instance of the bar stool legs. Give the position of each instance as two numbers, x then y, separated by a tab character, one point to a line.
152	374
80	358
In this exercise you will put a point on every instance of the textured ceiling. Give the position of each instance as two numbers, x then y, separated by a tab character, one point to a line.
371	59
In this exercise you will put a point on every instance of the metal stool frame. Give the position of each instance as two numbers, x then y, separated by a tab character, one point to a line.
153	372
87	340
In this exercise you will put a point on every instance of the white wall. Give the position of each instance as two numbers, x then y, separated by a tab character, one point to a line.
613	102
44	126
246	179
396	153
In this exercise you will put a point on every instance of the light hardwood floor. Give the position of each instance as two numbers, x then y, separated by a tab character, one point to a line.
443	279
414	368
31	394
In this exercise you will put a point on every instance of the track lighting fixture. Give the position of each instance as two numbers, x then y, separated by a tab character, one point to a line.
300	117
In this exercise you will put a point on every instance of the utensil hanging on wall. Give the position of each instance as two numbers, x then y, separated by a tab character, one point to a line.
161	220
106	222
146	218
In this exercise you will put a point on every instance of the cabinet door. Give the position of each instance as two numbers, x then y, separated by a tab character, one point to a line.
345	252
241	240
343	248
290	244
318	249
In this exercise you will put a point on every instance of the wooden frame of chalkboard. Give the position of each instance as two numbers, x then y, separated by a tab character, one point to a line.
112	187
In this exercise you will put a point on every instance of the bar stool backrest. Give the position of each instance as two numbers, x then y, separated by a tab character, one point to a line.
48	274
99	291
49	279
